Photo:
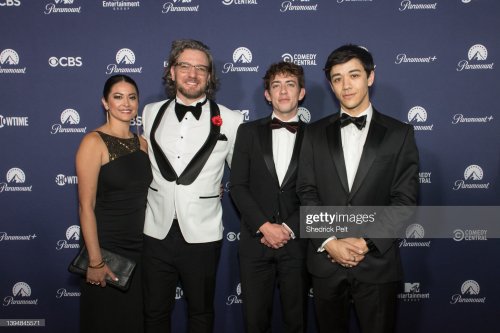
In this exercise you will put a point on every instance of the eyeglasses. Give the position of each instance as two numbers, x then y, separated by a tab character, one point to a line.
185	67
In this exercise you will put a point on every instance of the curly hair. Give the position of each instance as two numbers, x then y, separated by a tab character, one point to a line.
284	68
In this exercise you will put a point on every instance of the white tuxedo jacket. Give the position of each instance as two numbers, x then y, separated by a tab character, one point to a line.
194	194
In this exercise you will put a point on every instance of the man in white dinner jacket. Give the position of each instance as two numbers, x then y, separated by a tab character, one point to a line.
190	137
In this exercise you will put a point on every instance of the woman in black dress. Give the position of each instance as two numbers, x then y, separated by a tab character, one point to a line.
113	176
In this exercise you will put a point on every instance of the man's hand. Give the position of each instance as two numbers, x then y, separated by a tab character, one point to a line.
274	235
344	252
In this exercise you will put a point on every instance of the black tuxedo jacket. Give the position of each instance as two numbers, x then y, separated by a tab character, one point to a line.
256	191
387	175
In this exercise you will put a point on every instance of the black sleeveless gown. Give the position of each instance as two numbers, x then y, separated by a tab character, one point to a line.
120	210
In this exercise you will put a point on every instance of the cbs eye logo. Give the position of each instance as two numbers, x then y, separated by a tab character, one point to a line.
10	3
65	61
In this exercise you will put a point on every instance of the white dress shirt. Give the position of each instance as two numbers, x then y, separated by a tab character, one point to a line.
180	141
353	140
283	144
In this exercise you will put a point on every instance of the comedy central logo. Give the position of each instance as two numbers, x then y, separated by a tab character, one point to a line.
15	177
239	2
69	118
235	299
301	59
469	291
469	235
242	58
417	116
476	58
9	61
124	59
414	231
21	292
72	240
473	174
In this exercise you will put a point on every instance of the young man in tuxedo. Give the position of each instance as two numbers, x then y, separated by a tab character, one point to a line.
263	179
356	157
189	138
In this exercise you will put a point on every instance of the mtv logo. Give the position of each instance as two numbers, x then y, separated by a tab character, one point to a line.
412	287
246	114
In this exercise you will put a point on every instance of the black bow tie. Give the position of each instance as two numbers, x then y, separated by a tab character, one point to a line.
346	119
181	109
291	126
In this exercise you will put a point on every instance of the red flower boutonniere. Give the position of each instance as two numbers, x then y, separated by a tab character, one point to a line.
217	121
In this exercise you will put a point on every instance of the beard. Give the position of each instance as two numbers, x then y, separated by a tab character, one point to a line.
191	93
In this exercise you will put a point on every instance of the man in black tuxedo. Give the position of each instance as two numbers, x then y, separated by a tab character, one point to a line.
356	157
263	178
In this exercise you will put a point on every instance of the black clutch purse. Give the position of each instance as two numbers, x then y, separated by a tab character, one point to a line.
122	267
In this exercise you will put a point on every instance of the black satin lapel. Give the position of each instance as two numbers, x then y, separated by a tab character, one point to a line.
266	146
199	160
375	136
166	169
294	162
335	144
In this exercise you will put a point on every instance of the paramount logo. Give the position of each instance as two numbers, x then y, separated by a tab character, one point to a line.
305	5
62	7
418	115
124	58
414	231
472	175
461	119
242	58
476	55
10	59
469	291
69	118
15	177
402	58
179	6
408	5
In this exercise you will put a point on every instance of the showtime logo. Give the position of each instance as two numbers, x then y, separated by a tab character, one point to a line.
472	175
476	56
21	293
241	57
10	59
124	59
179	6
72	240
13	121
69	118
469	291
15	176
62	180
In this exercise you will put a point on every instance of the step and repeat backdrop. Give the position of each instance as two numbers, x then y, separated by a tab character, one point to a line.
436	68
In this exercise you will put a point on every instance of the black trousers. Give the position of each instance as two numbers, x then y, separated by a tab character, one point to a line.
375	304
168	261
259	276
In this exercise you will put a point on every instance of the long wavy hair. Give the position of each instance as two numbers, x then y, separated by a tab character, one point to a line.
178	46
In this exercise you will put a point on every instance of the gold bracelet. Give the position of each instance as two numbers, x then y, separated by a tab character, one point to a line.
99	265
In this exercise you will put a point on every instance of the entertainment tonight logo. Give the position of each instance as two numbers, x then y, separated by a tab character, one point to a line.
472	175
